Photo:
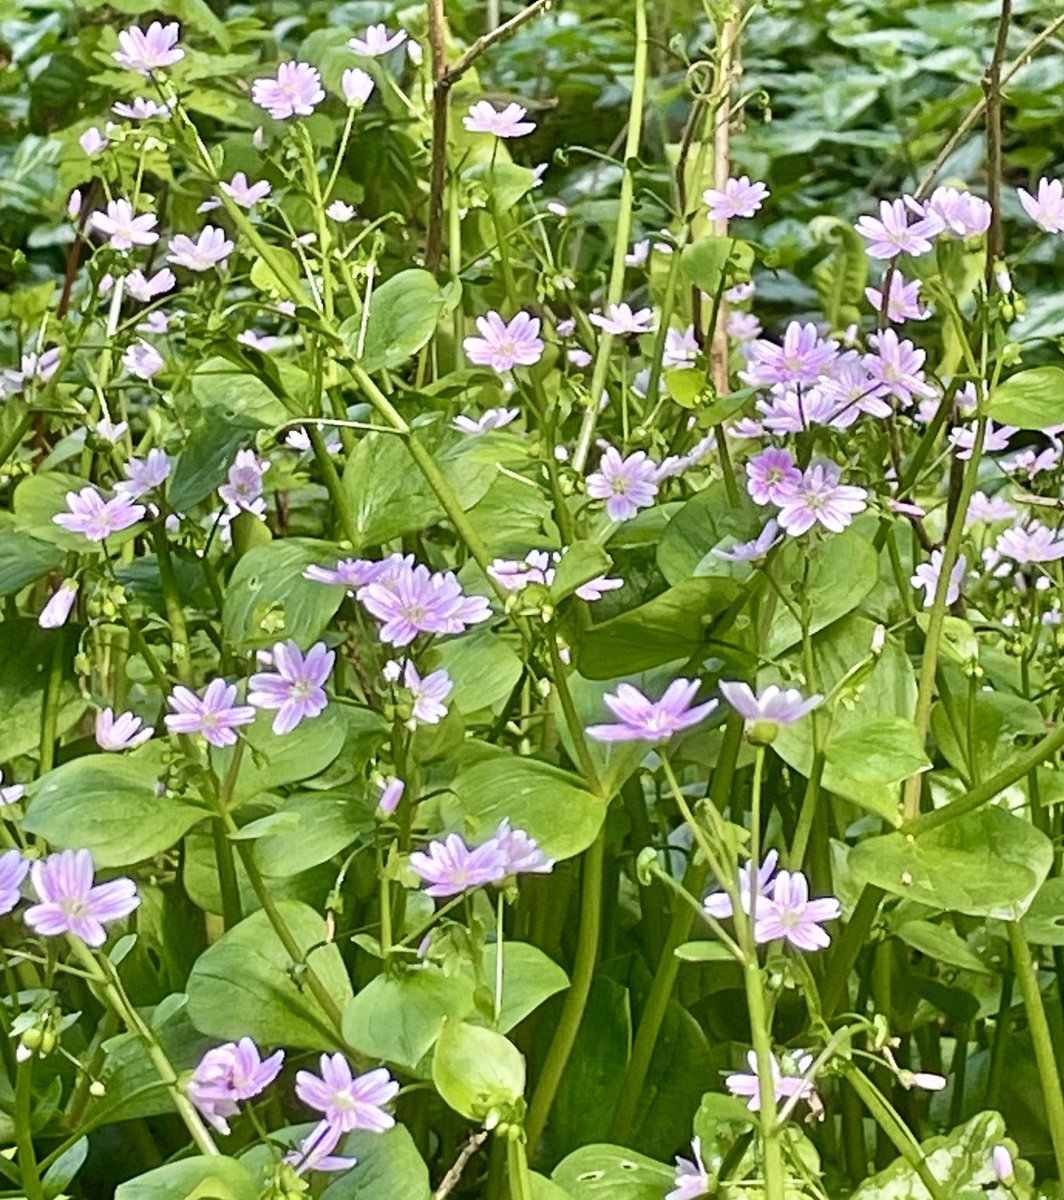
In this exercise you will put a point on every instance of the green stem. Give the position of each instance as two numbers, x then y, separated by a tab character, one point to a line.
1038	1026
50	710
175	610
334	485
517	1167
27	1154
622	232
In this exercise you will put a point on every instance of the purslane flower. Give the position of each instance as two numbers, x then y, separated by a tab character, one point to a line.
340	211
93	142
142	109
719	905
33	368
95	518
692	1180
926	576
215	714
621	321
392	791
376	41
995	438
505	345
785	1083
209	248
753	550
893	233
681	348
418	601
144	475
13	871
738	198
788	914
770	707
626	484
143	360
643	719
295	687
144	289
1033	543
348	1102
428	695
897	365
903	300
315	1151
246	194
57	609
519	853
227	1075
820	498
147	50
356	85
70	901
771	475
119	733
295	91
960	212
243	488
1046	208
450	867
123	228
492	418
508	123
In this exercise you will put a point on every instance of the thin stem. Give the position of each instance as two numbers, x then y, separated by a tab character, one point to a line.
24	1148
517	1168
50	711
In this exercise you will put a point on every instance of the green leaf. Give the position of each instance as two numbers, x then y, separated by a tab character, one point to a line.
403	315
206	456
882	751
941	943
989	738
840	277
24	560
389	1167
703	952
268	600
60	1174
705	262
672	626
231	393
551	805
318	826
484	668
1032	399
1043	922
246	984
986	864
26	652
203	1177
108	804
477	1071
581	562
603	1172
703	522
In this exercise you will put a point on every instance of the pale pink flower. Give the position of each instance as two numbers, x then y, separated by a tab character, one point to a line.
692	1180
509	123
357	86
143	360
95	518
492	418
621	321
209	248
642	719
681	348
247	195
147	50
124	229
820	498
1031	544
348	1102
13	871
428	695
119	733
787	1082
142	109
626	484
57	610
141	288
450	867
295	92
738	198
315	1151
70	902
719	904
788	914
962	213
1046	209
228	1074
892	234
801	360
503	345
772	704
295	687
995	438
93	142
771	475
903	300
340	211
376	41
926	576
215	714
756	549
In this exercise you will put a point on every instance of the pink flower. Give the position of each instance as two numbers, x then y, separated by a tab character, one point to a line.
95	518
756	549
503	346
428	695
148	50
903	300
123	228
896	364
247	195
119	733
926	577
55	612
988	508
215	714
144	475
228	1074
692	1179
771	475
892	234
995	438
357	86
648	720
820	498
509	123
376	41
295	688
1046	209
626	484
492	418
295	92
244	487
141	109
340	211
71	903
209	248
141	288
315	1151
33	368
1003	1166
348	1102
772	704
788	914
738	198
719	905
519	853
92	141
450	867
962	213
13	871
417	601
620	321
1033	544
391	793
143	360
785	1084
681	348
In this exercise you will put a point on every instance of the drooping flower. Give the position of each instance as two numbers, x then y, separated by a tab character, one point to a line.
903	300
962	213
10	793
768	708
1034	543
492	418
120	733
123	228
417	601
892	234
926	577
57	610
315	1151
787	913
227	1075
33	368
753	550
209	248
503	346
216	714
13	871
1046	209
143	360
295	91
450	867
246	194
643	719
719	905
520	854
428	695
376	41
95	518
1002	1162
626	484
801	360
508	123
147	50
738	198
357	86
295	687
820	498
621	321
771	476
348	1102
70	902
692	1180
786	1083
141	288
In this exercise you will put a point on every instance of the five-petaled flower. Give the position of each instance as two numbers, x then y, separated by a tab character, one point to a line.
295	687
508	123
124	229
209	248
228	1074
504	345
643	719
738	198
119	733
96	518
215	714
148	50
626	484
348	1102
70	901
295	91
787	914
376	41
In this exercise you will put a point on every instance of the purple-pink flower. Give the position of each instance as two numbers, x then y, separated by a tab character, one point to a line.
356	85
376	41
785	1083
509	123
621	321
903	300
315	1151
771	475
295	687
96	518
692	1180
897	365
348	1102
391	790
144	289
428	695
1033	543
228	1074
801	360
893	234
738	198
70	902
491	418
772	704
13	871
119	733
519	853
755	549
820	498
643	719
295	92
123	228
416	600
927	574
147	50
215	714
1046	208
503	346
55	612
962	213
209	248
626	484
243	488
450	867
719	905
246	194
787	913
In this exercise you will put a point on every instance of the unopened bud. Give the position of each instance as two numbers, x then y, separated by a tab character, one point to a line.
1003	1167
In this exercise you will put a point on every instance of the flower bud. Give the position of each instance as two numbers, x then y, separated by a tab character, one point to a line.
1003	1167
357	86
55	612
